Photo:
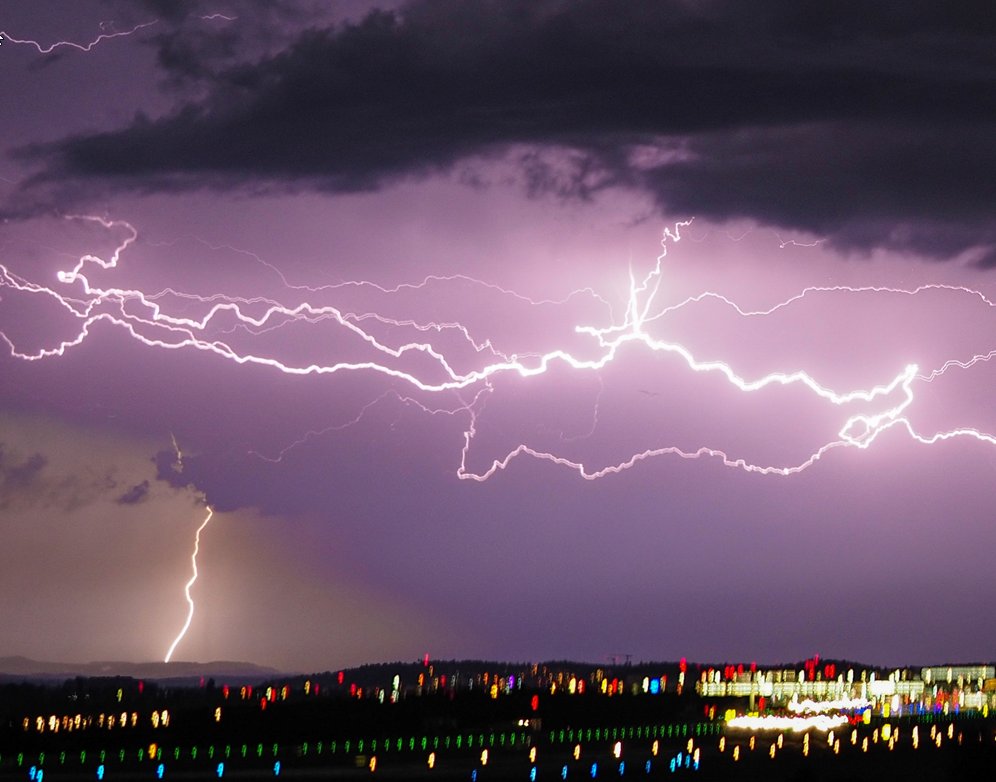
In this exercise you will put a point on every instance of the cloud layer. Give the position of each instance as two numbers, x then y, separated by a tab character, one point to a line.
870	124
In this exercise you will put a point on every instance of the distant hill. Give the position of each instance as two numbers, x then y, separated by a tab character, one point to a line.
25	668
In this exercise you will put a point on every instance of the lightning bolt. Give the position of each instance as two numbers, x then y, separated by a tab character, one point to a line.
83	47
188	585
145	318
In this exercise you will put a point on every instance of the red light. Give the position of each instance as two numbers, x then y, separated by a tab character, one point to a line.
535	703
141	686
262	704
683	665
342	676
224	691
425	660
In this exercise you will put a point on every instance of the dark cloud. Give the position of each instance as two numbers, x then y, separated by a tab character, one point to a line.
870	123
136	494
18	473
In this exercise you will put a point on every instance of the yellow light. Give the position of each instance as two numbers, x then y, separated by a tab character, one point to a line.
864	744
152	750
951	730
772	750
886	732
617	749
688	747
854	737
494	691
577	751
532	754
836	747
217	714
830	739
432	759
155	719
372	765
697	755
916	736
736	754
722	744
780	740
484	758
751	743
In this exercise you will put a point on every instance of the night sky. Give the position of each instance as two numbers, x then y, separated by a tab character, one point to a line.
519	329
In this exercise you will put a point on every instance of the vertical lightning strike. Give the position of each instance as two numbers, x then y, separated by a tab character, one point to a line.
189	584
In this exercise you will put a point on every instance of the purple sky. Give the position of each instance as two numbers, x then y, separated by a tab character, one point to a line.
496	175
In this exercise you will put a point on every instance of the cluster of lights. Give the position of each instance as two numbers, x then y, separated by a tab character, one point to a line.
69	723
772	722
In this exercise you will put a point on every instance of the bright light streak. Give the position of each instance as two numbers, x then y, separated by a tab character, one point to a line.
189	584
145	318
844	704
821	722
83	47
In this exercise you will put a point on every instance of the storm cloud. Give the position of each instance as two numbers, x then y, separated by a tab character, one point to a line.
870	124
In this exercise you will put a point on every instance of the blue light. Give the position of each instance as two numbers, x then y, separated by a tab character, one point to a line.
32	772
221	770
160	770
100	771
41	776
276	769
532	774
622	767
473	775
648	766
655	686
563	773
594	770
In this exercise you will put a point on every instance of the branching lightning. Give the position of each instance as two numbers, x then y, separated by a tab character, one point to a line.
145	317
189	584
83	47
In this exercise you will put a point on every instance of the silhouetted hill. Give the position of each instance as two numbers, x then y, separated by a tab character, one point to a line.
26	668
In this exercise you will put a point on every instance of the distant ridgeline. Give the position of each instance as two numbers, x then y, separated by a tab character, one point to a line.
476	720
